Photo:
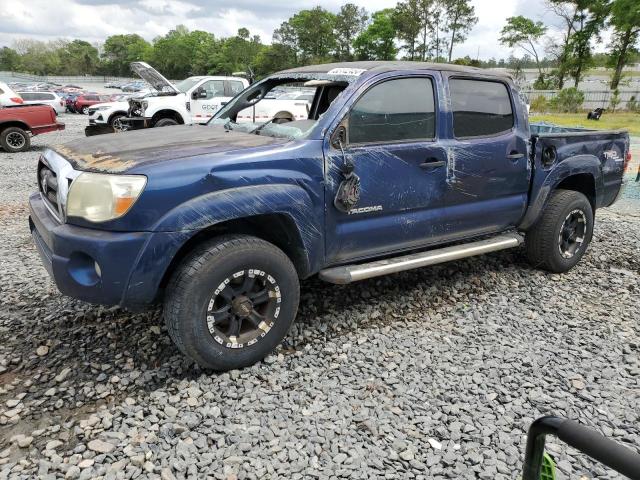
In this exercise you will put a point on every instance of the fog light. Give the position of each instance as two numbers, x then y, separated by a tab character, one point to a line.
83	269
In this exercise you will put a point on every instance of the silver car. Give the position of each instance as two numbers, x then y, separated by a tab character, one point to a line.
47	98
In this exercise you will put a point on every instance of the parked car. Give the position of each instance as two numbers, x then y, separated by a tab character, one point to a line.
107	118
193	100
44	98
69	101
85	100
8	97
398	165
18	124
134	86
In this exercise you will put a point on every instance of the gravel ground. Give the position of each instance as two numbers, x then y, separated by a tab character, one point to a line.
433	373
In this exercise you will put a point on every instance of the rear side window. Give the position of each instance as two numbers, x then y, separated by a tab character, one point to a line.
28	96
480	108
394	111
235	87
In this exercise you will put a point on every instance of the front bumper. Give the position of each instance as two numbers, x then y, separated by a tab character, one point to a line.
136	123
102	267
97	129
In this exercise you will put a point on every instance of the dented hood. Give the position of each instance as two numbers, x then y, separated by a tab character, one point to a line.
152	77
121	152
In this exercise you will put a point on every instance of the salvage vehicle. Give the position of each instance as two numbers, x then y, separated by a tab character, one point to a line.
107	118
18	124
193	100
398	165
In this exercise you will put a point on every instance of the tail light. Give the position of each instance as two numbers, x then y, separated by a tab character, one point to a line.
627	161
16	100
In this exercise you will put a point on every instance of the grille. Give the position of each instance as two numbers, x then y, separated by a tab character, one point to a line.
48	186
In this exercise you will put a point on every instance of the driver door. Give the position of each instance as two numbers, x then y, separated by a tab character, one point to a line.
206	99
391	143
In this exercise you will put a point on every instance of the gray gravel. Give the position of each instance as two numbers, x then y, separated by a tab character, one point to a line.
434	373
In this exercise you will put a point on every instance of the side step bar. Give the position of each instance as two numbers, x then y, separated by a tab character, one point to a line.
352	273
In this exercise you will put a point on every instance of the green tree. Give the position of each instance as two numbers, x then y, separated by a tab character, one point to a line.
625	20
310	33
524	33
273	58
175	53
460	18
120	50
376	42
238	53
78	58
407	22
9	59
349	22
38	57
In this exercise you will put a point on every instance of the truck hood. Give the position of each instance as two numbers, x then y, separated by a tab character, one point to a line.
122	152
153	77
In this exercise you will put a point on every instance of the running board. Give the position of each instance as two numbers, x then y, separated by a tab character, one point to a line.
353	273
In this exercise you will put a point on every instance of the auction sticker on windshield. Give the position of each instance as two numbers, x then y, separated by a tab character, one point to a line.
347	71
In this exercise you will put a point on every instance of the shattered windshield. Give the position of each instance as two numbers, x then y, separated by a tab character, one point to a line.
285	106
186	84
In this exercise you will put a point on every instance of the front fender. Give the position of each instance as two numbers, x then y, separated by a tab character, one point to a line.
235	203
546	181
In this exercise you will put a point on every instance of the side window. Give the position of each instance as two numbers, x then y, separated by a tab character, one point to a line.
480	107
1	91
394	111
214	88
27	96
235	87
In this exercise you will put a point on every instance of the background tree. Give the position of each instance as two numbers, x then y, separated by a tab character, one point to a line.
460	18
625	20
238	53
349	23
310	33
524	33
78	58
37	57
406	21
9	59
120	50
377	41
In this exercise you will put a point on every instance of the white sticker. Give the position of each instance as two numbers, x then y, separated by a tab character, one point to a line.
347	71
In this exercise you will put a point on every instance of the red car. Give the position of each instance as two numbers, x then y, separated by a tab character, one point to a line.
16	123
84	101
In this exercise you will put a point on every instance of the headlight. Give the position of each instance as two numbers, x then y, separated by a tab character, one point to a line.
145	104
99	197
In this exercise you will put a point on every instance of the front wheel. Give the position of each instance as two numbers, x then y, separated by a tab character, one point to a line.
231	302
165	122
563	232
85	110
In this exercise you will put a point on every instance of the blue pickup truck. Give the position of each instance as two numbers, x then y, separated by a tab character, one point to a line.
399	165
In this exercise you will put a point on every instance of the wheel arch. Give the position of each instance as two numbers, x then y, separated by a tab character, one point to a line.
167	113
15	123
276	228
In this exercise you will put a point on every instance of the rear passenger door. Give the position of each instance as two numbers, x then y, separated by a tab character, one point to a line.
488	171
391	139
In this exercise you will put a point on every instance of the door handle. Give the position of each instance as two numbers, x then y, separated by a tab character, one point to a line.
515	155
430	163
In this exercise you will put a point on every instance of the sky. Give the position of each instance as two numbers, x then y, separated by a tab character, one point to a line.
95	20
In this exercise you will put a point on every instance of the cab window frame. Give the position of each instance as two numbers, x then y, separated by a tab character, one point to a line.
482	79
420	76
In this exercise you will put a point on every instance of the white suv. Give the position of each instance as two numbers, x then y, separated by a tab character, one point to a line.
9	98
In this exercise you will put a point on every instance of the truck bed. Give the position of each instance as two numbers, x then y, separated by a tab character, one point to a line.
599	156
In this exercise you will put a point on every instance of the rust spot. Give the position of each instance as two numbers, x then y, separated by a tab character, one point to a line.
98	160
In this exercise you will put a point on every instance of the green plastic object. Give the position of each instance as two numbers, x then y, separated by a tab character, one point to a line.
548	469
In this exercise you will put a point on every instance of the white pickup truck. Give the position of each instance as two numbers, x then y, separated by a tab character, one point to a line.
193	100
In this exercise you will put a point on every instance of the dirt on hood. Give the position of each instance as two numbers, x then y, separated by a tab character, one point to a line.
121	152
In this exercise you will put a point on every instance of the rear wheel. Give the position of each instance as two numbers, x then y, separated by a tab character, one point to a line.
14	139
165	122
231	302
562	234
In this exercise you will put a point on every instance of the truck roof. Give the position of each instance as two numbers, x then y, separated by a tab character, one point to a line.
385	66
216	77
